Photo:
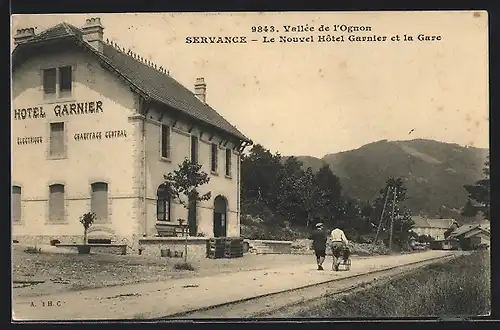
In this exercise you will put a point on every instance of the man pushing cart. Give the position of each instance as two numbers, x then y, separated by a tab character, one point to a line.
340	249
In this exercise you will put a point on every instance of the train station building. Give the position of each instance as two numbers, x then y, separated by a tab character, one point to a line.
96	127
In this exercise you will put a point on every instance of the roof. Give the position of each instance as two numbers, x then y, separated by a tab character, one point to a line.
474	233
468	228
153	83
421	222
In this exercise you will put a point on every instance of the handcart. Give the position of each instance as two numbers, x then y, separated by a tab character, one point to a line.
345	262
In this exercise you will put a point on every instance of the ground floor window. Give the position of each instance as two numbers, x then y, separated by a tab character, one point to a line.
163	204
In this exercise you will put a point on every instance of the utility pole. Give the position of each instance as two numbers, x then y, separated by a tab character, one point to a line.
392	218
382	215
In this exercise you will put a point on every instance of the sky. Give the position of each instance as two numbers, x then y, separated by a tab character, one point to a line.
321	97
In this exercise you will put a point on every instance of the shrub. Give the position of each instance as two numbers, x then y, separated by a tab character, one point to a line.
184	266
33	249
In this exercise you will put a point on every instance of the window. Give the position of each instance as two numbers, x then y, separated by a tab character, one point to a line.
56	203
194	149
16	203
65	79
49	81
228	162
165	141
99	201
57	145
214	157
162	204
55	79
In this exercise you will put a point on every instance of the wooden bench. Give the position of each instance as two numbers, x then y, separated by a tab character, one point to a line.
122	247
169	230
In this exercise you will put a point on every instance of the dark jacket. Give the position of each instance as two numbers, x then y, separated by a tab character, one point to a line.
319	238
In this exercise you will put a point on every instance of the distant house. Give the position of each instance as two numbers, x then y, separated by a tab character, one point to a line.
434	228
471	236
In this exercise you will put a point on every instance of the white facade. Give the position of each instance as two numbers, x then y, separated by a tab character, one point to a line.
105	166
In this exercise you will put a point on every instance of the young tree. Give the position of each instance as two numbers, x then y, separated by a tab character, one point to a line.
184	185
480	191
87	220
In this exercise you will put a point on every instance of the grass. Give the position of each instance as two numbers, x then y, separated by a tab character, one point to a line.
460	287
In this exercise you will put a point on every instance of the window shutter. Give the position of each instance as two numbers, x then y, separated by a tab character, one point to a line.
57	139
16	203
99	200
56	203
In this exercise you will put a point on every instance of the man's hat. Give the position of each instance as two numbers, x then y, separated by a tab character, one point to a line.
319	224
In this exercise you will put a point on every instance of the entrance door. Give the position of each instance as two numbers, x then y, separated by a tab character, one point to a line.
220	216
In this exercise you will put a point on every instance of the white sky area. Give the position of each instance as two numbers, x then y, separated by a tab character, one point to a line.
319	98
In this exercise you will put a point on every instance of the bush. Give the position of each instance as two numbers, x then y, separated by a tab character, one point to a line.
184	266
33	249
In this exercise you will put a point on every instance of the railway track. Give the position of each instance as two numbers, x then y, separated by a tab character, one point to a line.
270	305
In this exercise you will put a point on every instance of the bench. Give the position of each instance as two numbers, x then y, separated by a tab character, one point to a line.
169	230
121	247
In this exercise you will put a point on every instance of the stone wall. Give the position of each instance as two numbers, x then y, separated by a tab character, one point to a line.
152	246
45	240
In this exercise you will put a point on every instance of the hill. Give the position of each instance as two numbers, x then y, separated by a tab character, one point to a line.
434	172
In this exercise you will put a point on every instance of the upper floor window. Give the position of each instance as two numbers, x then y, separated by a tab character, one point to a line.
99	201
56	203
65	79
214	156
16	203
58	81
165	141
57	140
194	149
228	162
49	81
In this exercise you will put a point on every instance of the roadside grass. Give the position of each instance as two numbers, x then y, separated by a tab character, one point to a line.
460	287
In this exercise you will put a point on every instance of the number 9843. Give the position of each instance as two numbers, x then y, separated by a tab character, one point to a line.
263	28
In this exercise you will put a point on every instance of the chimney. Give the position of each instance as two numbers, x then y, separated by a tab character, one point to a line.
93	33
23	35
200	89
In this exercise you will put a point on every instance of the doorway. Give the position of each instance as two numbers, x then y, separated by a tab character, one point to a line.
220	216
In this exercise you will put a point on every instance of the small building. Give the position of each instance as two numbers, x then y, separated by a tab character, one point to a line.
434	228
95	129
446	244
472	236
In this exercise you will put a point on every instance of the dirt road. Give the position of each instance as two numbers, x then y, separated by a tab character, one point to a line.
178	296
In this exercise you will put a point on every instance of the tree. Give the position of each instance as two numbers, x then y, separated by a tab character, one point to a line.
311	196
469	210
87	220
480	191
289	201
184	184
395	191
260	171
331	191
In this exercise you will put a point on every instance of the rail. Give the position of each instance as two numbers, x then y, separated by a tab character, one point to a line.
299	294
